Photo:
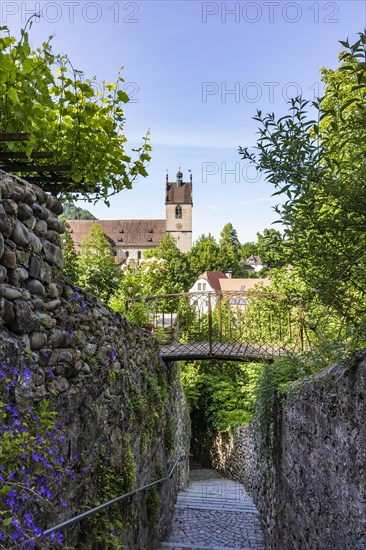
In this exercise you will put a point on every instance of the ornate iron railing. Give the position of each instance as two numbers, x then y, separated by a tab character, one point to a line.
226	325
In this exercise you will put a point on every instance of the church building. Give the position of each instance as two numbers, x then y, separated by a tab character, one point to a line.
129	238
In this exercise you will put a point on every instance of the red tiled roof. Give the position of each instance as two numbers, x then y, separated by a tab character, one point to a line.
213	278
237	285
122	233
178	194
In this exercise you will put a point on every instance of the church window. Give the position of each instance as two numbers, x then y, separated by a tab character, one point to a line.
127	253
139	255
178	211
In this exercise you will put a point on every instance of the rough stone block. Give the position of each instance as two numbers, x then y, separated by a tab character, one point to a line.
30	223
40	212
22	258
3	273
8	259
45	272
54	237
54	205
20	234
24	211
2	245
53	255
6	223
9	349
6	312
10	207
35	287
35	243
54	224
25	320
34	267
38	340
17	193
40	228
53	291
41	196
60	338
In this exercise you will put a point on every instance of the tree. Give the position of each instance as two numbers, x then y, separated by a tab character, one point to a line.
76	118
318	167
72	212
203	256
178	275
229	251
71	268
98	273
271	248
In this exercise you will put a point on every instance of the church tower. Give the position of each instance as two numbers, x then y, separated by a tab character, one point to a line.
178	201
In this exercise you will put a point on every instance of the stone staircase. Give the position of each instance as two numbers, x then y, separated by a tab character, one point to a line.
214	513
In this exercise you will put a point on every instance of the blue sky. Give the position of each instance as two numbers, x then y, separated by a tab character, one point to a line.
197	72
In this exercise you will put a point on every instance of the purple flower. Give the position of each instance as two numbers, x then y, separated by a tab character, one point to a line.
27	375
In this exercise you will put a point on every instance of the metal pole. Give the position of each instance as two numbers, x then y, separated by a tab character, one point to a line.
210	322
219	319
98	509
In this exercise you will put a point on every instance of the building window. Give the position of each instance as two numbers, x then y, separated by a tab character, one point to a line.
127	253
199	286
178	211
139	255
203	286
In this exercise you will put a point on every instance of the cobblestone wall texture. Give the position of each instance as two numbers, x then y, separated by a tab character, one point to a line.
122	409
311	491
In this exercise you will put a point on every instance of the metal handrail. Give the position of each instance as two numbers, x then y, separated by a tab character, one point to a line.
97	509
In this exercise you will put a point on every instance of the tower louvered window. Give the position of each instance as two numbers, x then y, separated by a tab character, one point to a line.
178	211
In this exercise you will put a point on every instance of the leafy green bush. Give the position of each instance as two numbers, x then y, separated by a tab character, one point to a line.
223	393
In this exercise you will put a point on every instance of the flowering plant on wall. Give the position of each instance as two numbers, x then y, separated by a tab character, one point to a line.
32	466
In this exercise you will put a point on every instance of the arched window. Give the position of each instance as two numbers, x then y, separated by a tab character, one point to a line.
127	253
139	255
178	211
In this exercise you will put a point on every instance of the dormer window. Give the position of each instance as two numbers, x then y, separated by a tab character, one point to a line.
178	212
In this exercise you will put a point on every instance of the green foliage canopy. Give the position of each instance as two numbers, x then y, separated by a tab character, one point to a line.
318	167
78	119
177	276
97	272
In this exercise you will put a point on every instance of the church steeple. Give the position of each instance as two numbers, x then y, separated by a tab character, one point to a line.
179	178
179	211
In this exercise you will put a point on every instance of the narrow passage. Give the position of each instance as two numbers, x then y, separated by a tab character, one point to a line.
214	513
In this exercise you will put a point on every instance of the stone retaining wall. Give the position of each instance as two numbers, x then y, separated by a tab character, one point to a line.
311	491
122	409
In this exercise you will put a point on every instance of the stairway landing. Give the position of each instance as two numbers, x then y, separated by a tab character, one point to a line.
214	513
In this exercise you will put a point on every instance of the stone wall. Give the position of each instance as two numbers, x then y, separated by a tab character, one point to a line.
311	490
122	409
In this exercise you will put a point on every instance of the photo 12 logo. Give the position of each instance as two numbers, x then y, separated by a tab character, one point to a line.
70	11
253	92
269	12
227	173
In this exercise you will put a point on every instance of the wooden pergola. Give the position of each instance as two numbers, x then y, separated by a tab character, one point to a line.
37	168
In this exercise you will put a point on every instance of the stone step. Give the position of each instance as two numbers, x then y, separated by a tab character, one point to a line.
214	514
217	505
179	546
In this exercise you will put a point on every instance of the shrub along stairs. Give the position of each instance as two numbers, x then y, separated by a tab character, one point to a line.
214	513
